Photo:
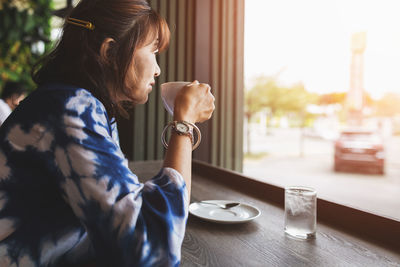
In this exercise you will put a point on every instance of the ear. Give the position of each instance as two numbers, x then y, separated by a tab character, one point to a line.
105	46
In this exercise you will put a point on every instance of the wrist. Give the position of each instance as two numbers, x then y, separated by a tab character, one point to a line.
183	128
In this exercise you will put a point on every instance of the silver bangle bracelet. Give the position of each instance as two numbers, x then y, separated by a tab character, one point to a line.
196	129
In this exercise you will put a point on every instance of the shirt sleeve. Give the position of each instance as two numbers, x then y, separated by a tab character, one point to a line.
128	223
5	111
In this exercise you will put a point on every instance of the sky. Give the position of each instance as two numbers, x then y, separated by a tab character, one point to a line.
309	41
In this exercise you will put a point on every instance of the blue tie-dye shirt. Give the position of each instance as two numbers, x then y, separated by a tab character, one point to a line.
67	195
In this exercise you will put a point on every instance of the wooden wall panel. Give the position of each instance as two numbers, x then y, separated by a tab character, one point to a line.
207	45
238	84
225	70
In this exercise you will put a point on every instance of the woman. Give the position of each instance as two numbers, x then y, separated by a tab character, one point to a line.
67	194
12	94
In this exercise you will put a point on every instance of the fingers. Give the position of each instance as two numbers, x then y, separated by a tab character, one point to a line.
207	106
206	115
195	102
202	85
195	82
211	106
208	90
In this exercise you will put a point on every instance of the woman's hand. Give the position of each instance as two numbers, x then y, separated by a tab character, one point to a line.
194	103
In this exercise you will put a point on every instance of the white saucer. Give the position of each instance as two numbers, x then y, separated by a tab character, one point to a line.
239	214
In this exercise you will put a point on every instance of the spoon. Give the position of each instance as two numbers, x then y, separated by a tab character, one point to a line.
222	206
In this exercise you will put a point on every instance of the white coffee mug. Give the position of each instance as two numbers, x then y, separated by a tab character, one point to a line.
169	91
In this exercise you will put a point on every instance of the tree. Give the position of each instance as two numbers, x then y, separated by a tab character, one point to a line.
256	99
266	94
332	98
24	26
388	105
253	105
269	96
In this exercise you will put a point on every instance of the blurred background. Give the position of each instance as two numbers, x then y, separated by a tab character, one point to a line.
28	29
322	99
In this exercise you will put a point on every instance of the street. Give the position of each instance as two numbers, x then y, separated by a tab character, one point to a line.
290	161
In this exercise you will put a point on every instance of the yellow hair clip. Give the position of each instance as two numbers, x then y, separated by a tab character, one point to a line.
82	23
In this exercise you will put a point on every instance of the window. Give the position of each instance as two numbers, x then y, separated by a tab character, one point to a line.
323	101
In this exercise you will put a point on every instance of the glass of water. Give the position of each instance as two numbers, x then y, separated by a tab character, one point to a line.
300	212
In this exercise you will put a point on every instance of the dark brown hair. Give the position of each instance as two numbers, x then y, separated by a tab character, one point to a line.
77	59
13	89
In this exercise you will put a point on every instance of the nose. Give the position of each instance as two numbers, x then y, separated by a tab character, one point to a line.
158	71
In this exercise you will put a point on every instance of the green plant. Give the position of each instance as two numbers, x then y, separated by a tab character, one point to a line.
24	37
255	156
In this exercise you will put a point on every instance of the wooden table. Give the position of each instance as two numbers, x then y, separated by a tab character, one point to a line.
262	242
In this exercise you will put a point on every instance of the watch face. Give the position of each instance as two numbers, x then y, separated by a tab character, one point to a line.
183	128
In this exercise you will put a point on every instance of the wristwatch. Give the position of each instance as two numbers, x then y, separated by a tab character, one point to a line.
183	128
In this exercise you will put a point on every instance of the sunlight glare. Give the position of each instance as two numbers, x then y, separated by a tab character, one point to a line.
309	41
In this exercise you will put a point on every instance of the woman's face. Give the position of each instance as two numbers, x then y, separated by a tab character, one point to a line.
142	71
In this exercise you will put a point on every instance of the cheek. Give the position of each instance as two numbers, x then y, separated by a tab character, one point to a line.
139	62
133	74
147	65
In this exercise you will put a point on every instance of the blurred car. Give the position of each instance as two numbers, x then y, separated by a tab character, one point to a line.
359	149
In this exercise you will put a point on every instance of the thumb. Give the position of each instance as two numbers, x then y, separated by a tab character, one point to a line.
194	82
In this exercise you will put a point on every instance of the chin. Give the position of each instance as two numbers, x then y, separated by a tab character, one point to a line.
144	99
